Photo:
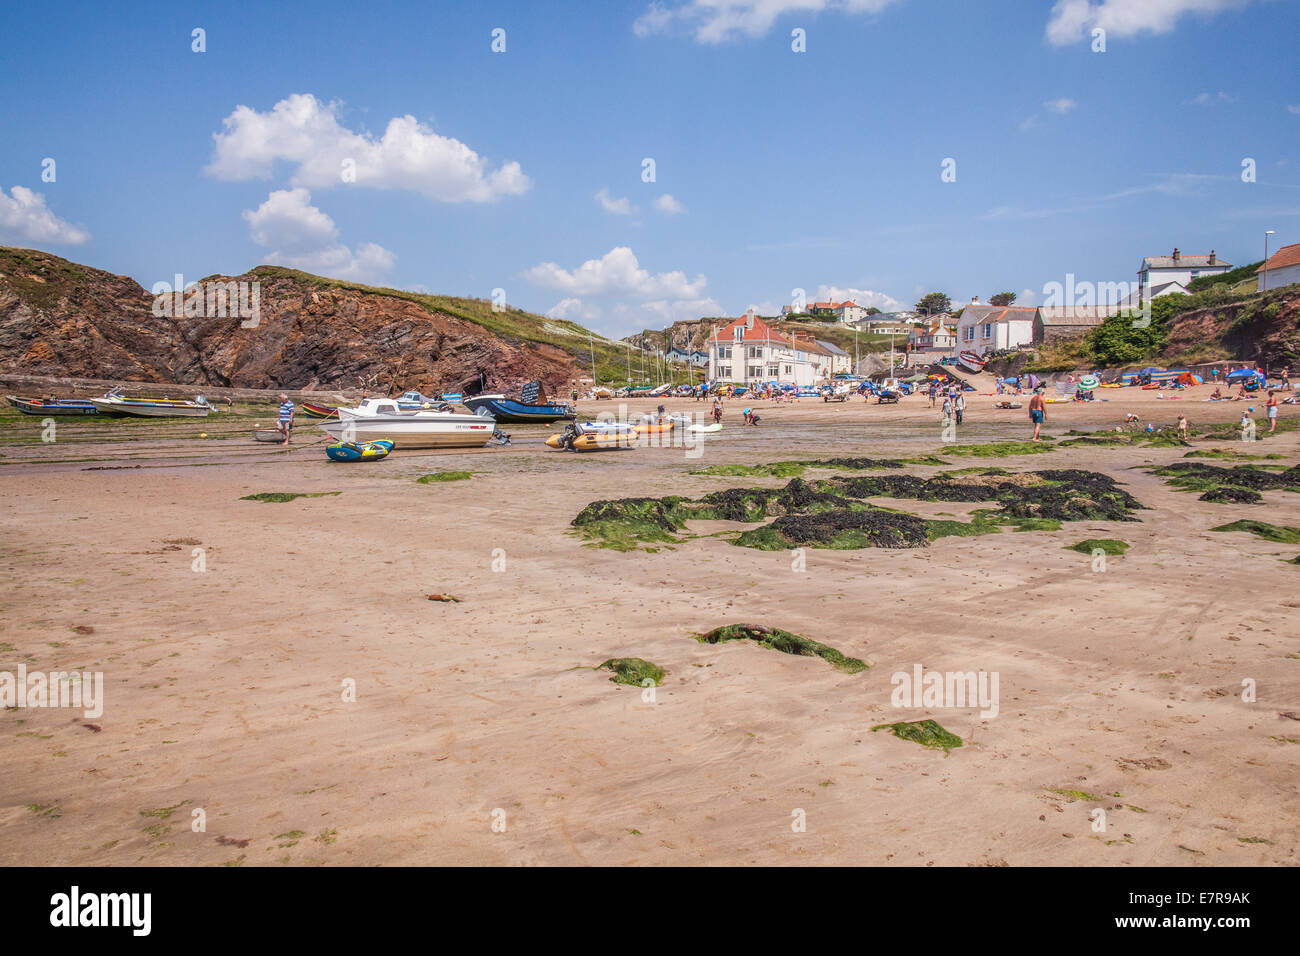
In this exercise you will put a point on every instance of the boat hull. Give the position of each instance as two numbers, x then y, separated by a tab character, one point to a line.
412	434
312	410
148	410
63	406
517	413
970	361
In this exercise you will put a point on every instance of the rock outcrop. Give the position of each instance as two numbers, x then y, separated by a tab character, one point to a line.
58	318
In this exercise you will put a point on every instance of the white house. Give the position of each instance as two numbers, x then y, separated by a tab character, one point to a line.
750	351
939	333
1158	272
1282	268
850	313
987	328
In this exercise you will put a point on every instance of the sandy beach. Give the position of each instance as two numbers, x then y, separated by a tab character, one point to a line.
481	733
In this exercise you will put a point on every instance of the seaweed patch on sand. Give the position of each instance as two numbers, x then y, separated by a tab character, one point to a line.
791	469
839	530
1110	546
1240	484
783	641
1261	529
443	476
1000	449
281	496
635	671
830	513
622	523
927	733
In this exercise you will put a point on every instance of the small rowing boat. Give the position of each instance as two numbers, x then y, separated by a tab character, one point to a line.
970	361
53	406
312	410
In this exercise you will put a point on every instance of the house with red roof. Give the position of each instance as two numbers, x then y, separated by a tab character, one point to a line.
1282	268
749	351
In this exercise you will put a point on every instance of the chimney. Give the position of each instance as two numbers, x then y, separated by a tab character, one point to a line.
1211	257
1175	253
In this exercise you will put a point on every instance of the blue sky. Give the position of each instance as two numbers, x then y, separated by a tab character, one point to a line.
523	170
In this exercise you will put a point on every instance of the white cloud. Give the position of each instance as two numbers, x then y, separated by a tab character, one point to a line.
305	133
1062	105
302	237
615	273
863	297
717	21
1028	123
619	207
1027	297
680	310
24	217
1071	20
668	205
1293	108
1206	99
573	309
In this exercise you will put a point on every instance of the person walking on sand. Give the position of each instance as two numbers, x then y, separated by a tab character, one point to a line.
1271	405
1286	377
934	390
717	410
285	422
1182	427
947	409
959	406
1037	413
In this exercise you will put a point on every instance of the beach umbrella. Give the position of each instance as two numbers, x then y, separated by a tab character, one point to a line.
1088	382
1033	380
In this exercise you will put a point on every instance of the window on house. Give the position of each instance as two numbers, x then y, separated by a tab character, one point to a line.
724	371
988	330
754	371
724	352
756	351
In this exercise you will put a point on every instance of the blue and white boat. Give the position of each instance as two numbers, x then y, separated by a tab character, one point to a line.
514	412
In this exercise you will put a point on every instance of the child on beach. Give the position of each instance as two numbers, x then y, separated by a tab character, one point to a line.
285	423
1182	427
959	406
717	410
1271	405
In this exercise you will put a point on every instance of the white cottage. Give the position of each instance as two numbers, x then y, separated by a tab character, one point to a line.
988	328
1159	273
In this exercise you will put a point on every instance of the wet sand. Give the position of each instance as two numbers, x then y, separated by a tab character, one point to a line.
224	686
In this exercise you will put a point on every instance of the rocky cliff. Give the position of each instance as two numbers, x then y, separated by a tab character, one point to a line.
59	318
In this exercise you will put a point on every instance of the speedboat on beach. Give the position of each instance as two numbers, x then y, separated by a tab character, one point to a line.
378	419
115	403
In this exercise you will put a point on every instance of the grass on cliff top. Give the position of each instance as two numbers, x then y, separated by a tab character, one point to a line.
1269	532
634	671
39	277
783	641
927	733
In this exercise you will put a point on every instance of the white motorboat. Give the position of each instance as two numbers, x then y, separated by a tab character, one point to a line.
115	403
377	419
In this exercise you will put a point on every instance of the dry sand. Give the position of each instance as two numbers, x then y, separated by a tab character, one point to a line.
224	687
